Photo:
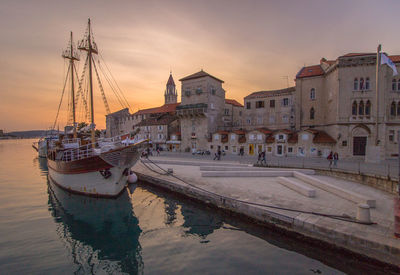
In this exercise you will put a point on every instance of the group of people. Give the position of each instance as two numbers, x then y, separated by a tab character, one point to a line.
333	158
262	158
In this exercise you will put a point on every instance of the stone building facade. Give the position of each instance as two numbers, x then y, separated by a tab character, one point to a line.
340	97
271	109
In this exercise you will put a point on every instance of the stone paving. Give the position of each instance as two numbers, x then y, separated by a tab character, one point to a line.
375	241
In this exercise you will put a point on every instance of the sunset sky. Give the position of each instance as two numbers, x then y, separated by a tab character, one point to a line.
251	45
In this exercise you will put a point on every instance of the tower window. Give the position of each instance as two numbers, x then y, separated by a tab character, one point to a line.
393	109
368	108
354	108
367	83
312	94
394	85
312	113
361	108
355	84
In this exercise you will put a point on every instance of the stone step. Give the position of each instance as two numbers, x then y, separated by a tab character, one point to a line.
239	168
297	186
247	174
195	163
338	191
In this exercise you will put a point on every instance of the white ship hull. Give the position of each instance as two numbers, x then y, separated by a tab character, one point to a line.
92	183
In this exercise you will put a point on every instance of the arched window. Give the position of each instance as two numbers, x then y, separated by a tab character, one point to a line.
367	83
393	109
368	108
355	84
361	108
361	83
398	108
354	108
312	113
312	94
394	85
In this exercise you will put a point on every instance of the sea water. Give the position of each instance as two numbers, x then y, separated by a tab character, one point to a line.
45	230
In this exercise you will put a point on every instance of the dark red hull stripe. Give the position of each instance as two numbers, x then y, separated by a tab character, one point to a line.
87	194
86	165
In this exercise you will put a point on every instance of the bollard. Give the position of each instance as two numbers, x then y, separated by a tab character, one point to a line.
363	214
397	217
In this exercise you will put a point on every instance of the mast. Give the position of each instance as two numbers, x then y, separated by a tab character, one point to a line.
86	44
72	56
378	50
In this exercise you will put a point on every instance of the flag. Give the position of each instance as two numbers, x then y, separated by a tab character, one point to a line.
386	60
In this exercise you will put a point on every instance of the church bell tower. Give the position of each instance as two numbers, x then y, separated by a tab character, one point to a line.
171	95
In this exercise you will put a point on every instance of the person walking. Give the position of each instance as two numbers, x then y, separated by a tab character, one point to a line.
335	159
259	158
330	158
263	156
158	151
219	154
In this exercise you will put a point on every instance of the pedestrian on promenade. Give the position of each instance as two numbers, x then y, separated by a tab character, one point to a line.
219	154
158	151
335	159
215	156
330	158
263	156
259	158
241	151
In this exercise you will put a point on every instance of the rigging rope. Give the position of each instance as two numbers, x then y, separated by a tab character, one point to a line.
79	92
103	95
62	95
112	87
126	101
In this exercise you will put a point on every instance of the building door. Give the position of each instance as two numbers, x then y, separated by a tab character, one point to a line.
251	149
279	150
359	145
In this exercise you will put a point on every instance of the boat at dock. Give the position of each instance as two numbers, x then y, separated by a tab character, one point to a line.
82	163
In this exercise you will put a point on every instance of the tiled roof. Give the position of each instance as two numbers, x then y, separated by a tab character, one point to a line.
262	94
162	120
239	132
166	108
356	54
310	71
199	75
264	131
322	137
395	58
233	102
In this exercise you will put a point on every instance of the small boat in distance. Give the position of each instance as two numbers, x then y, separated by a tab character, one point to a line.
88	165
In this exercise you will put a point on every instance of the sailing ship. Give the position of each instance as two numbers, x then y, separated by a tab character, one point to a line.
90	166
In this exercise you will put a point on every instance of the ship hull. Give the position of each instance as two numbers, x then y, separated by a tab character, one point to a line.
97	176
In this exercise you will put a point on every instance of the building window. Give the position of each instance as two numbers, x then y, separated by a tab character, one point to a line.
355	84
248	121
272	103
398	108
187	93
394	85
160	127
248	105
285	101
312	94
233	137
259	104
199	91
216	137
391	135
368	108
367	83
280	137
240	113
285	119
226	111
212	106
290	149
226	148
259	120
259	136
361	83
160	136
344	143
271	119
361	108
213	91
354	108
251	137
393	109
312	113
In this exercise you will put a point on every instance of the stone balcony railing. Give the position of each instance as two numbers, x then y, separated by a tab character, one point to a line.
191	110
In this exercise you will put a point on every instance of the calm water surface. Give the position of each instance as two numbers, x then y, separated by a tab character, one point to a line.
44	230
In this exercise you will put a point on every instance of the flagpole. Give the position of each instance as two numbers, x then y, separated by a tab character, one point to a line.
377	94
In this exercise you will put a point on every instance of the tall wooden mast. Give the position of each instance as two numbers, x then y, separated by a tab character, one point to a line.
72	56
86	44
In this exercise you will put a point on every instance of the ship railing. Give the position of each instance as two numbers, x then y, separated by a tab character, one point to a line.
81	152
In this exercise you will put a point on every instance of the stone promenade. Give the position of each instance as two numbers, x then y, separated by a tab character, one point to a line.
210	181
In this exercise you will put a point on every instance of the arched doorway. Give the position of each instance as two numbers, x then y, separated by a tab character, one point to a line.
360	135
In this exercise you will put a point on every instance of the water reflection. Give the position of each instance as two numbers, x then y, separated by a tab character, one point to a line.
102	235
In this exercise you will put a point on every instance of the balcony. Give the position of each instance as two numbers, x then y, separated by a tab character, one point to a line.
191	110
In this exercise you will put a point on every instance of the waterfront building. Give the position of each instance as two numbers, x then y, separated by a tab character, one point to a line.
201	109
273	109
340	98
